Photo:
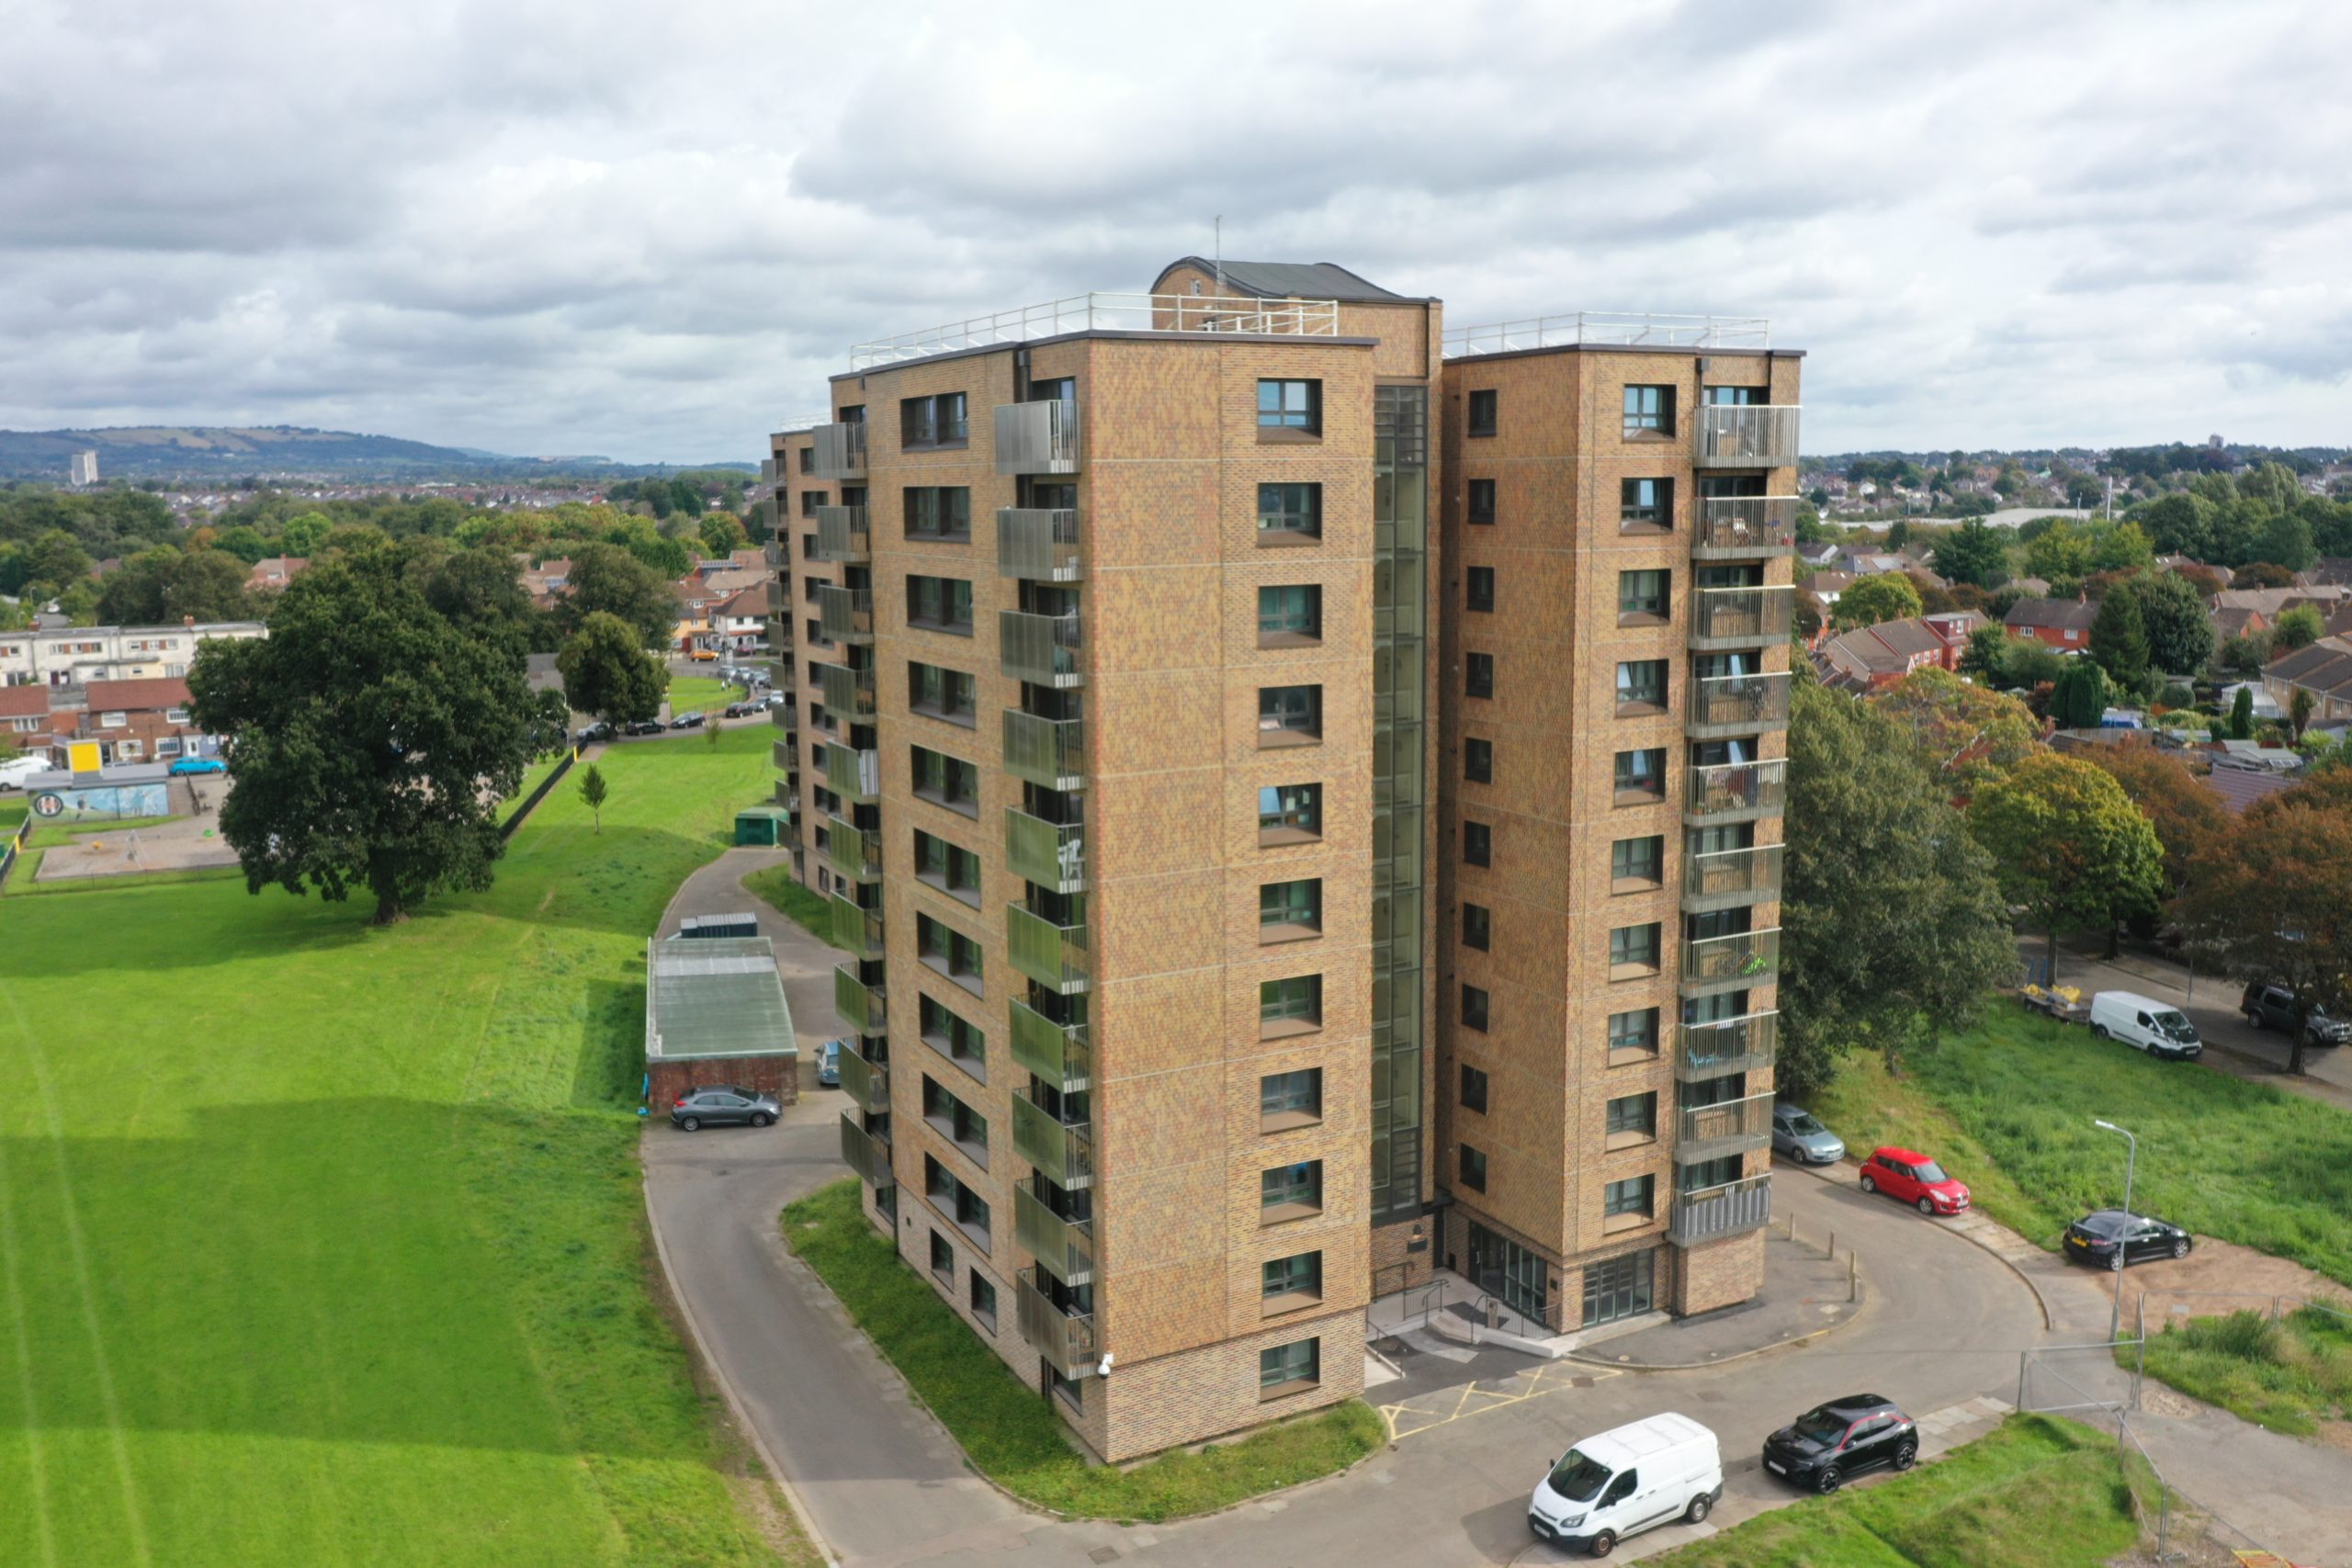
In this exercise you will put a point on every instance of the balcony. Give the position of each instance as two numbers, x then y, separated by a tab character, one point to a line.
866	1083
1725	705
839	451
1731	1045
1040	649
851	774
845	614
1063	1153
1735	792
1051	854
1742	526
1064	1248
1052	955
772	553
1712	1132
1048	752
1728	1210
847	691
1037	439
1057	1053
787	795
1726	878
1730	963
779	598
1752	436
856	928
785	715
853	852
1037	542
868	1154
1065	1340
785	755
863	1007
779	633
843	534
1729	618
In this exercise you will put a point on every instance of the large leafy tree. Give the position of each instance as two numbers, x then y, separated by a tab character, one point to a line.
1889	596
480	592
2070	847
2119	639
2186	814
1973	553
608	578
2078	699
369	740
2267	901
2172	614
1965	735
606	672
1891	926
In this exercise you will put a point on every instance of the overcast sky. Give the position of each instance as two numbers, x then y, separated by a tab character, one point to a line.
648	230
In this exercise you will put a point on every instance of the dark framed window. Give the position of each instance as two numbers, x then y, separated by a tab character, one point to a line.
1635	946
983	1299
1641	594
1482	412
1628	1197
1478	761
1291	405
942	947
949	867
1701	1175
942	694
809	459
936	421
1300	1274
1296	1189
1290	1099
1477	927
938	511
1474	1090
1478	675
1290	808
1641	773
943	1257
959	1122
1479	589
1634	1115
810	501
1291	905
1290	711
946	781
952	1037
940	603
957	1202
1618	1288
1634	1031
1645	504
1290	508
1472	1166
1480	499
1641	682
1649	410
1290	613
1299	999
1474	1009
1285	1369
1637	860
1477	844
1734	397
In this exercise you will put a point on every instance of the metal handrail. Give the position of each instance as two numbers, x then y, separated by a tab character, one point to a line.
1107	312
1435	1287
1608	327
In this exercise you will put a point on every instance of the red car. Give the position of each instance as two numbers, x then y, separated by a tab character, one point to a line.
1915	1179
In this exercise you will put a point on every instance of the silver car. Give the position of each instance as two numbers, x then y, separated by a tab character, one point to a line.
1797	1133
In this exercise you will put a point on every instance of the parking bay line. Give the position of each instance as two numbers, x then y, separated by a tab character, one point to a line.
1409	1418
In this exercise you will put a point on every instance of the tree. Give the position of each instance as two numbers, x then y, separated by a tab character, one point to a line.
593	793
2241	715
369	740
1889	596
721	534
2078	700
606	672
2122	548
2245	653
1891	926
2181	634
608	578
2261	574
206	585
480	593
305	535
2267	901
2299	627
2299	712
2178	525
2119	638
2186	814
2069	846
1966	736
2286	539
1972	553
1984	659
57	560
2061	552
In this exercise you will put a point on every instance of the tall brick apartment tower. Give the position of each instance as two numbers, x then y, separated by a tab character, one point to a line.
1116	748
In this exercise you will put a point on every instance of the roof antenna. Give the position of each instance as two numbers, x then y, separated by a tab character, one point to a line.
1220	255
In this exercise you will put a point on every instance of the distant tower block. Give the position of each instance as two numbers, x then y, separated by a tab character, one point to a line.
86	469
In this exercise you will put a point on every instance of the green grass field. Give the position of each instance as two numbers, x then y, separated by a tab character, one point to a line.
774	885
2036	1490
2289	1376
689	694
321	1244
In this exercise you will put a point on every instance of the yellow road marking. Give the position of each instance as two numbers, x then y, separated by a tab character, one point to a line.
1409	1418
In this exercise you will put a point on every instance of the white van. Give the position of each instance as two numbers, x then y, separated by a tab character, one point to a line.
16	771
2159	1027
1623	1482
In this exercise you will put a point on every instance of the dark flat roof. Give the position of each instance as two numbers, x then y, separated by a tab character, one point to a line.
1293	280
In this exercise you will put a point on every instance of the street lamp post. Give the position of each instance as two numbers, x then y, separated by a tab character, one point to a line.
2123	1242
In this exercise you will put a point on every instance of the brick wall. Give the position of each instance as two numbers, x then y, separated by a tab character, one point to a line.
779	1075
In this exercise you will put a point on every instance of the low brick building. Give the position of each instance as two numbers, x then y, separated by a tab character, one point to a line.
135	721
715	1012
2064	624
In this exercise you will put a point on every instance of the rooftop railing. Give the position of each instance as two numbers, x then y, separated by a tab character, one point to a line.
1101	313
1620	328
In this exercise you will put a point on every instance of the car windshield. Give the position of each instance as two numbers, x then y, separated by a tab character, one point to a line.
1928	1170
1578	1478
1822	1426
1804	1126
2176	1025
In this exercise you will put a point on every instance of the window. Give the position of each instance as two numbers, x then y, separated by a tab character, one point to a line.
1478	675
1641	684
1478	761
810	501
1477	927
1287	1368
1703	1174
1478	844
809	459
114	720
949	867
942	694
936	421
1290	1191
1640	597
949	951
947	781
1290	1099
950	1036
1289	715
1294	511
1641	776
1288	909
943	1257
938	511
1632	1120
126	750
168	746
1632	947
1292	1006
1734	397
1632	1196
1482	412
957	1121
1474	1168
1290	615
959	1202
1481	499
940	605
175	716
1474	1090
1645	504
1474	1009
983	1300
1637	860
1649	410
1293	1281
1289	813
1295	406
1479	589
1619	1288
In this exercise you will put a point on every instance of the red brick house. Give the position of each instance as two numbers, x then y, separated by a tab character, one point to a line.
275	571
25	722
134	721
2064	624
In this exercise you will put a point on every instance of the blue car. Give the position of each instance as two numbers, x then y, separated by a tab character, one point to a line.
197	765
828	1065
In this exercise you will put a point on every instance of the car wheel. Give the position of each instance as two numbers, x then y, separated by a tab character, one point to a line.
1830	1480
1906	1456
2254	1020
2180	1247
1928	1206
1603	1544
1696	1514
761	1118
2099	1030
1868	1185
2115	1264
690	1123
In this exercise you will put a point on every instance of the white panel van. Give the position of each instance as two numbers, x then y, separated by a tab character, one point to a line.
1647	1472
2157	1028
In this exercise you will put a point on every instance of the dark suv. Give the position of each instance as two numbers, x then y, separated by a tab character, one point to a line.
2273	1006
1821	1448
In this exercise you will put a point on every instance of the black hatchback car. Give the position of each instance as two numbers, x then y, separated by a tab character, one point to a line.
2111	1237
1831	1442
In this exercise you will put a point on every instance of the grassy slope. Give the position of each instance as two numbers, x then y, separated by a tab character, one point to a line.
707	694
1006	1430
2008	1109
2289	1376
323	1245
796	903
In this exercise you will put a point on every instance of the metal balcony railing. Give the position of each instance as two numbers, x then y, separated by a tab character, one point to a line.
1729	791
1721	616
1048	752
1063	1152
1051	854
772	553
853	852
1037	439
1748	435
843	534
1635	328
1050	954
1729	1046
786	716
1711	1132
848	691
850	773
1057	1053
785	755
863	1007
868	1154
1736	525
1715	1211
1109	312
1064	1248
779	598
787	795
1037	542
779	633
839	451
867	1083
1041	649
1727	704
855	927
845	614
1721	963
1065	1340
1727	877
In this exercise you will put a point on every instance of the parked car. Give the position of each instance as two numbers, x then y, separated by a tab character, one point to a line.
642	726
1653	1472
2159	1027
687	721
1799	1134
702	1108
702	656
1914	1177
2274	1007
600	730
829	1065
2111	1239
736	710
1824	1447
182	766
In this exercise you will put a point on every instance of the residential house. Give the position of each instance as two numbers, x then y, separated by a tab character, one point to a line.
546	581
2324	670
2328	572
277	571
737	622
70	655
1870	658
136	721
1827	585
2064	624
1820	557
23	716
2241	787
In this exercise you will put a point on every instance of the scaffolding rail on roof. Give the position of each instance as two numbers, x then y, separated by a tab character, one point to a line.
1634	328
1109	312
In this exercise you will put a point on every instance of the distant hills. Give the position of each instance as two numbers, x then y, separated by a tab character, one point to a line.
222	453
